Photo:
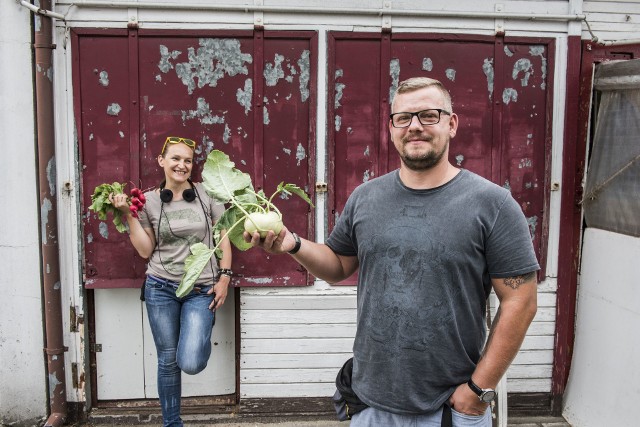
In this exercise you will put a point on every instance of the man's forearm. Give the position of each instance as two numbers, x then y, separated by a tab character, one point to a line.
508	330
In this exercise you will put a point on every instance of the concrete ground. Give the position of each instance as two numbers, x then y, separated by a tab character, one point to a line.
194	422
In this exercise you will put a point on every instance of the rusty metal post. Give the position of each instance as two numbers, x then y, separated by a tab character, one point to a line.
54	346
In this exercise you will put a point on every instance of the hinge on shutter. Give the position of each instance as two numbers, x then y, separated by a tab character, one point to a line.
321	187
96	348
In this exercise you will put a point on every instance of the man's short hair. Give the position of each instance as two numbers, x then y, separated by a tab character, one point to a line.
417	83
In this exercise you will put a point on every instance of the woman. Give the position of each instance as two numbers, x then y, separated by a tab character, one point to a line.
175	216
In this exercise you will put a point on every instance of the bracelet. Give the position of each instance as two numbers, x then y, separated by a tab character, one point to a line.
296	248
225	272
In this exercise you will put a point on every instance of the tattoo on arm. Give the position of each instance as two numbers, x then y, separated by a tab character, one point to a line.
515	282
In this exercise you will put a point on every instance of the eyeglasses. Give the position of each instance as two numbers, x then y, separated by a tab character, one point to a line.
177	140
425	117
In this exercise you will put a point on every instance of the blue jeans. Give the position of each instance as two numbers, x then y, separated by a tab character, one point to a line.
371	417
181	329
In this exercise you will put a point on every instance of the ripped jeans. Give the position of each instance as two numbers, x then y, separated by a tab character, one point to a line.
181	329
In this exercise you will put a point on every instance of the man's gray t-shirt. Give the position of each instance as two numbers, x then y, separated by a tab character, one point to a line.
426	258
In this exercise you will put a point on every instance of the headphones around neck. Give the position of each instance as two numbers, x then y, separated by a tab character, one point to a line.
166	195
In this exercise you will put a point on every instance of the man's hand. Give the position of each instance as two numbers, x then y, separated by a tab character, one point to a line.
272	244
465	401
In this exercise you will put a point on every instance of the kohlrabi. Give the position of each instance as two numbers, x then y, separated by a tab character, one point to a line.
248	211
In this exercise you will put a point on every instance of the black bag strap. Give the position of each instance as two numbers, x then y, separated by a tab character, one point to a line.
447	416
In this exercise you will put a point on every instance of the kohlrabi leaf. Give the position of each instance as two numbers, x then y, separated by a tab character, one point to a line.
193	266
222	180
233	222
292	188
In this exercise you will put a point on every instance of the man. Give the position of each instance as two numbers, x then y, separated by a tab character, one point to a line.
429	240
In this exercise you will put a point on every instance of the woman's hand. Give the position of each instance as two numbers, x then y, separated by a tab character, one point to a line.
119	201
219	291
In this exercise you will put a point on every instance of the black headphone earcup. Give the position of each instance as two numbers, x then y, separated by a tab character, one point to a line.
166	195
189	195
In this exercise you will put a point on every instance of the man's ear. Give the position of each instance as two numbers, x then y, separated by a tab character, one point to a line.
453	125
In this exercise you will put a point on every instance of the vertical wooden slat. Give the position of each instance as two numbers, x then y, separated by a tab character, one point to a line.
134	109
258	102
384	163
498	105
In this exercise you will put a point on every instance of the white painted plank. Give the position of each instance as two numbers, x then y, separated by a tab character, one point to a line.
533	357
120	366
529	371
290	360
282	330
535	385
288	390
298	345
631	7
248	317
538	343
307	302
541	328
288	376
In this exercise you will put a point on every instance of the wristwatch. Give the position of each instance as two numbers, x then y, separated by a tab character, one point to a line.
486	395
297	241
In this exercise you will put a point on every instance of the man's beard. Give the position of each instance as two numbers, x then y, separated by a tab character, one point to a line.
421	162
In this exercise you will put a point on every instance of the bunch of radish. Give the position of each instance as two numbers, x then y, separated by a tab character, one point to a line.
137	201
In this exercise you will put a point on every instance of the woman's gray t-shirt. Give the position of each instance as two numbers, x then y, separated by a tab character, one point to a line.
426	258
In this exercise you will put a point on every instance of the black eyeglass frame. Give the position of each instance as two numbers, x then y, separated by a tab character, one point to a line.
416	114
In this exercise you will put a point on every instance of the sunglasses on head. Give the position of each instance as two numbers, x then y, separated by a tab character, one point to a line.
177	140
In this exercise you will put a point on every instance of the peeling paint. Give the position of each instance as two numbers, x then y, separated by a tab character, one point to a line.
207	145
114	109
339	89
529	139
51	175
539	51
427	64
288	97
273	72
507	185
121	134
394	72
202	113
487	69
57	286
44	218
507	51
89	238
287	151
104	78
265	115
522	65
509	94
365	176
244	96
165	64
301	154
227	134
91	137
525	163
304	64
211	61
451	74
533	225
260	280
367	152
103	228
338	122
528	185
53	383
459	159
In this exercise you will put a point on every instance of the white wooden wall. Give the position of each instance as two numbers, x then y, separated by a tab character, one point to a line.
293	340
612	20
